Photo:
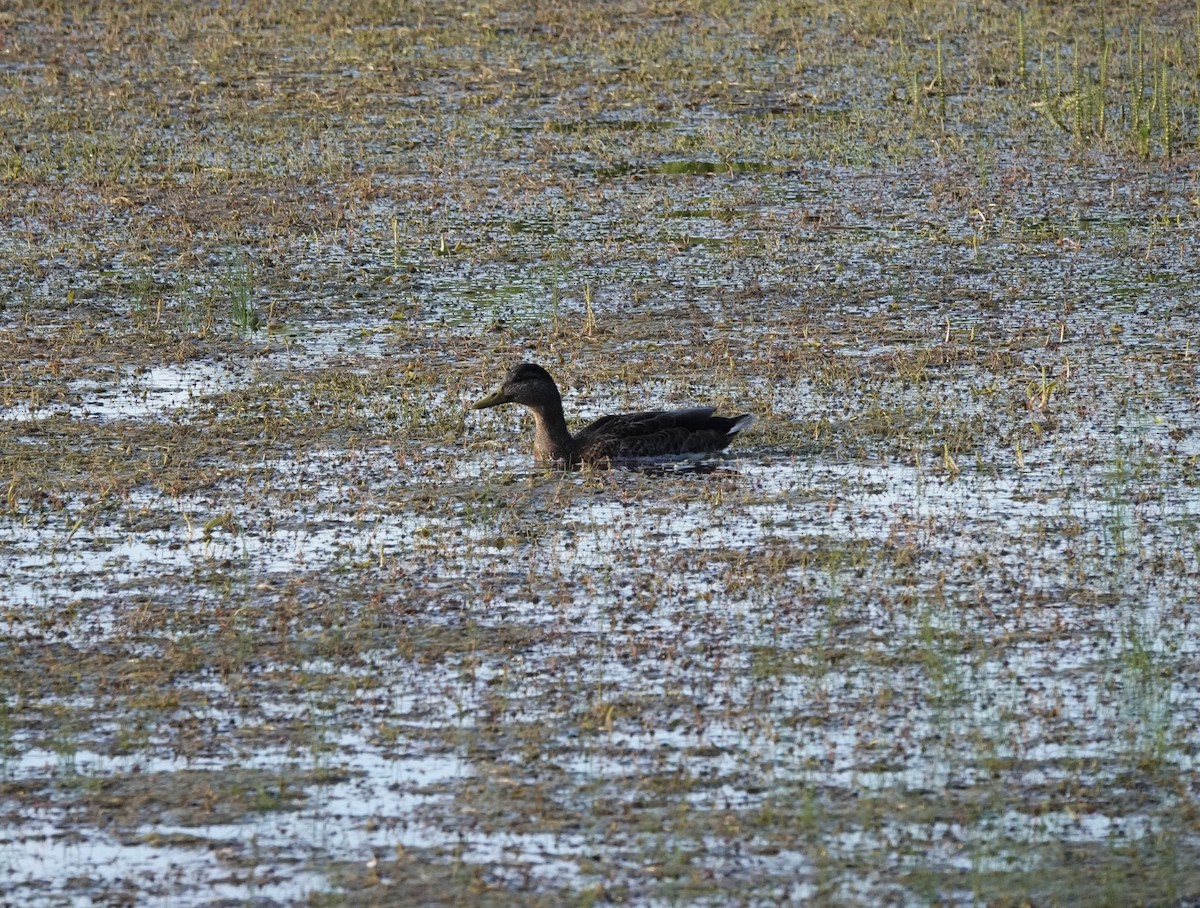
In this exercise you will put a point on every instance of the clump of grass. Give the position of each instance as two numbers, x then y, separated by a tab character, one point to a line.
590	323
238	286
1128	98
146	303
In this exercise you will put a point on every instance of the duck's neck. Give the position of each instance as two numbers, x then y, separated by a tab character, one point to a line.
551	440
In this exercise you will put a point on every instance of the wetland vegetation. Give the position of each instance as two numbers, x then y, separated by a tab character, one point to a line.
284	622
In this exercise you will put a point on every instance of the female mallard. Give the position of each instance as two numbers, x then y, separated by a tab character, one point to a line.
659	433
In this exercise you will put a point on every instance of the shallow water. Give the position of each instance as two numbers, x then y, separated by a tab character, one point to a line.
284	620
840	669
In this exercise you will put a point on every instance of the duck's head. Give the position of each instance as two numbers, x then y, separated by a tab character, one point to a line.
527	384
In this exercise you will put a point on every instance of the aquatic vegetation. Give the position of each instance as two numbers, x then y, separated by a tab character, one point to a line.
283	620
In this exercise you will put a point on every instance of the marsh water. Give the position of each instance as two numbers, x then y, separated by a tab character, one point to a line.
284	622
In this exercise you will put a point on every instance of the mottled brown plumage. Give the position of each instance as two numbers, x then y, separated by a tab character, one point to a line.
657	433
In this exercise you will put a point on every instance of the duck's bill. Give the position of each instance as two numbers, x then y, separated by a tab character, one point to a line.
495	399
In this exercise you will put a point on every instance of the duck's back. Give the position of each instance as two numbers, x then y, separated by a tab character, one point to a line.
658	433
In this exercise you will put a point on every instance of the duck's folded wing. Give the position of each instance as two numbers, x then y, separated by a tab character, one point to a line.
628	425
659	433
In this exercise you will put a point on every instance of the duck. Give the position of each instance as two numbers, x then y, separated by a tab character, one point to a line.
691	433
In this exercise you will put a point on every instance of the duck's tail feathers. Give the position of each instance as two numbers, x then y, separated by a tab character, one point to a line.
740	422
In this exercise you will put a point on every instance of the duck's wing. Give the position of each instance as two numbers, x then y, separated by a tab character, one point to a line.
658	433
